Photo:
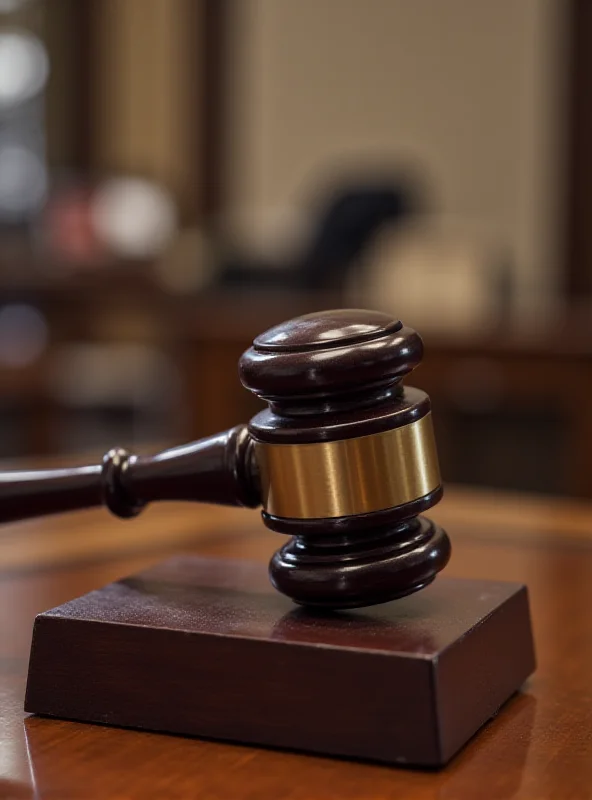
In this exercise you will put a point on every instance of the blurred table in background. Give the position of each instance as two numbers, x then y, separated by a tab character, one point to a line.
511	406
126	363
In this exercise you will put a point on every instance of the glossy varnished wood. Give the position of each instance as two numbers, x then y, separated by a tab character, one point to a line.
205	647
331	376
216	469
539	747
327	376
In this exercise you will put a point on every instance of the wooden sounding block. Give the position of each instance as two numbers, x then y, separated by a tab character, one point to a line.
206	647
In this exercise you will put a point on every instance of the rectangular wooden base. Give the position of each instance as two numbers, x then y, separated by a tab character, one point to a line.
206	647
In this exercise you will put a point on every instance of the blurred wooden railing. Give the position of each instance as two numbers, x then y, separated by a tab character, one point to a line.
512	407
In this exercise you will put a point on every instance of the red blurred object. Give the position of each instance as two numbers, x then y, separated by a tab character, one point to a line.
69	230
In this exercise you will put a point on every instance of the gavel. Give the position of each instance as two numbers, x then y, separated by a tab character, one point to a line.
343	460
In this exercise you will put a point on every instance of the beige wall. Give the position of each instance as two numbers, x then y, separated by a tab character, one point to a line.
146	100
469	88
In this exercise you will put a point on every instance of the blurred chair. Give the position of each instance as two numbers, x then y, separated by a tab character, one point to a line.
344	225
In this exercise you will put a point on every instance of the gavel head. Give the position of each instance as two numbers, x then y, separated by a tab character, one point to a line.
347	458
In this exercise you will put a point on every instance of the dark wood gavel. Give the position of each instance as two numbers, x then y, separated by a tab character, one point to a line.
343	460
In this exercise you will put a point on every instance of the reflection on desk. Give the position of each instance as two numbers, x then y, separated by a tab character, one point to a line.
540	744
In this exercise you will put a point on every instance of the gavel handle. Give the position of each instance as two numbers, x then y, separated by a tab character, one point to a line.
218	469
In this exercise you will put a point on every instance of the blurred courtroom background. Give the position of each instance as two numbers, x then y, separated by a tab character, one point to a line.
178	175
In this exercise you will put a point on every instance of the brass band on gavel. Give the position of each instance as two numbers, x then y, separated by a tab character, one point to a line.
349	476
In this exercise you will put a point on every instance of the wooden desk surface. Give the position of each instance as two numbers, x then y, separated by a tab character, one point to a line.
539	746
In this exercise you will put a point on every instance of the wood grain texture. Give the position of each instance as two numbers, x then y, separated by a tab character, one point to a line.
205	647
540	747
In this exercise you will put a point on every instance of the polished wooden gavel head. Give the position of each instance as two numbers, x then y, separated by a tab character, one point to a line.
343	460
